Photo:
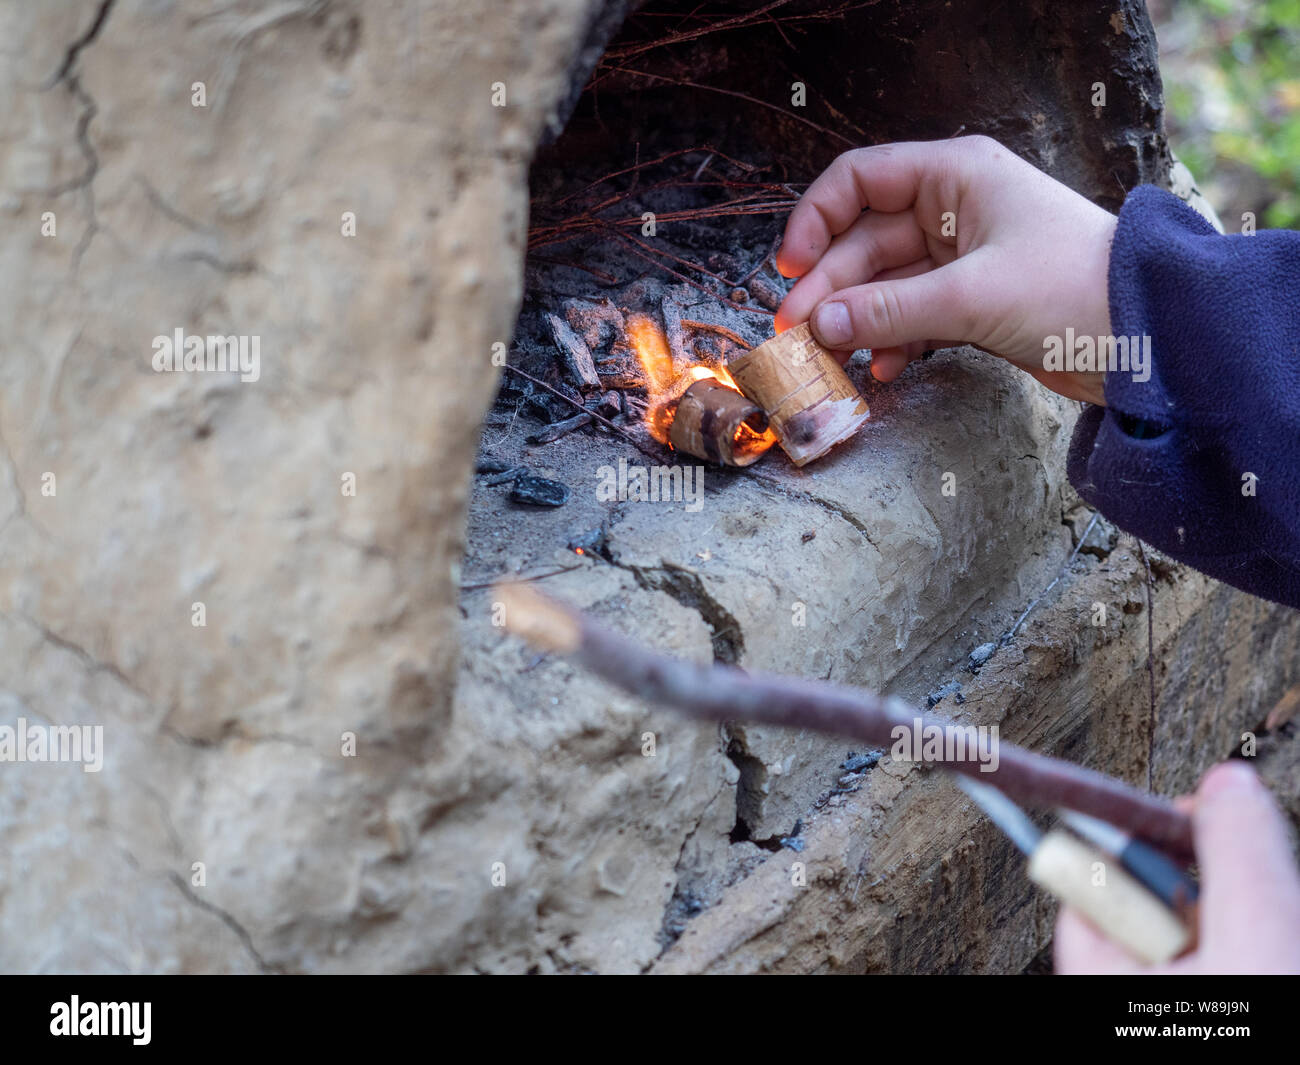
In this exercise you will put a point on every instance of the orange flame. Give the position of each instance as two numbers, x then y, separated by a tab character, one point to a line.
719	373
665	385
651	347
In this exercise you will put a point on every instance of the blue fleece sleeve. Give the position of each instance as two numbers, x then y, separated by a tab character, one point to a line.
1198	451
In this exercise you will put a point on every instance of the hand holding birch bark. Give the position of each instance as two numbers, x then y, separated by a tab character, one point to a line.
900	245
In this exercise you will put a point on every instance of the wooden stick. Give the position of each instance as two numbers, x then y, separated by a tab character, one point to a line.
722	693
1284	710
719	330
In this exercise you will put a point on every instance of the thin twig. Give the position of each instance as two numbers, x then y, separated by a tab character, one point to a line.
684	83
540	236
720	330
1010	634
1151	666
723	693
749	18
478	585
693	283
761	263
628	50
748	168
658	457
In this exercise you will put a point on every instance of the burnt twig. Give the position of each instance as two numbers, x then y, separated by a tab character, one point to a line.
595	417
720	330
561	429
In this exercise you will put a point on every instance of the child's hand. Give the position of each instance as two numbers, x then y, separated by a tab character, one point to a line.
964	243
1250	890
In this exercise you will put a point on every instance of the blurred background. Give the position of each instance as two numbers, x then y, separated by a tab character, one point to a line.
1231	72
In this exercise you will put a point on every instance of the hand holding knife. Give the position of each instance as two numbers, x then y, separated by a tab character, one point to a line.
1143	900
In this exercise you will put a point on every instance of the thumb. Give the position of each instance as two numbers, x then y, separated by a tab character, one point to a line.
1250	902
887	314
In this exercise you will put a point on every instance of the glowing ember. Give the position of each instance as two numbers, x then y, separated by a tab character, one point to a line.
749	440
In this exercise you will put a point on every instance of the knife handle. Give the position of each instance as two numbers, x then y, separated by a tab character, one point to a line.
1120	908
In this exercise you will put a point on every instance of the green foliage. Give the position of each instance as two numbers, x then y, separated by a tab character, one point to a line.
1237	102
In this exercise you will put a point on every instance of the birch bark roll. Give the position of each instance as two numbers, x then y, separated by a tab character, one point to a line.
810	402
709	422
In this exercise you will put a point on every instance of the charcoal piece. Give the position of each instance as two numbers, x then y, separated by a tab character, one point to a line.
611	403
624	380
491	464
539	491
504	476
858	763
953	687
591	542
574	351
534	400
598	324
981	654
559	429
766	292
548	408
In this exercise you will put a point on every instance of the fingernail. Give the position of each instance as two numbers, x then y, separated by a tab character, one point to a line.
832	325
1234	775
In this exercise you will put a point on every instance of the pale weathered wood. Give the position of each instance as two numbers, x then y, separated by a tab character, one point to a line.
577	356
1117	905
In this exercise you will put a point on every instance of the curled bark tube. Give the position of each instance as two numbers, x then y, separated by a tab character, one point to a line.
722	693
810	402
717	423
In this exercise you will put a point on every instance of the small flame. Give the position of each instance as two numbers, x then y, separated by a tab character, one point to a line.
718	373
651	347
663	383
749	441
